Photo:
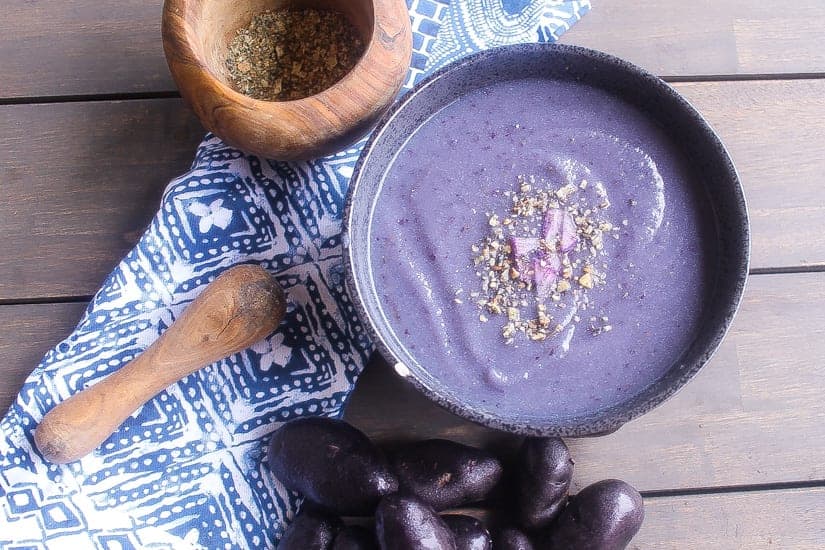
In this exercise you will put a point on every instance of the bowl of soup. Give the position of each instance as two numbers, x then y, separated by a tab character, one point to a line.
546	239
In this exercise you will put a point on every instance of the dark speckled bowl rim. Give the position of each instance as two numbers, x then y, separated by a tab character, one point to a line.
612	418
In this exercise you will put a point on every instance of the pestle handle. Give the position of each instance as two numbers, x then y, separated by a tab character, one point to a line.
240	307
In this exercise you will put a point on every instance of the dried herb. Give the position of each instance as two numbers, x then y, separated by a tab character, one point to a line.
290	54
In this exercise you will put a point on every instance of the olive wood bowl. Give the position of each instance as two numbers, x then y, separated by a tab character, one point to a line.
196	34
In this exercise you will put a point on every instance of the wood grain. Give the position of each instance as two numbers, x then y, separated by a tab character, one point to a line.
113	46
790	520
708	37
754	415
80	182
787	519
28	333
78	47
775	131
77	201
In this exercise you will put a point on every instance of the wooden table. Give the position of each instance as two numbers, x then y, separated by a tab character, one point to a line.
91	129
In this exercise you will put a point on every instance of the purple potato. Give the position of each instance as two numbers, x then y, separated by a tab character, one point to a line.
511	538
605	515
446	474
355	537
543	479
332	464
310	530
469	533
407	522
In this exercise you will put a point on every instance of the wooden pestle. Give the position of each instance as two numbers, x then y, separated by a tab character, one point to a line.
240	307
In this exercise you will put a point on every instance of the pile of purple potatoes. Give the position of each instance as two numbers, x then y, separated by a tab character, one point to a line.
341	473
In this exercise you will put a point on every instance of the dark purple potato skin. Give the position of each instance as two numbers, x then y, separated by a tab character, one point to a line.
543	479
310	530
446	474
469	533
511	538
355	537
406	522
605	515
332	464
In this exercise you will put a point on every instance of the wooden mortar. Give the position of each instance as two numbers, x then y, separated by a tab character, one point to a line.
196	34
240	307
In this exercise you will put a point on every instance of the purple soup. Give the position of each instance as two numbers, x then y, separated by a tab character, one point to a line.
541	249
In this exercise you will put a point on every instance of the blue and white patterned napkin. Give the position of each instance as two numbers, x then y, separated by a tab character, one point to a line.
188	469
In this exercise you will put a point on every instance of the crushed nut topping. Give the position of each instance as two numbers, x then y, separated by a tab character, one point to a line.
537	263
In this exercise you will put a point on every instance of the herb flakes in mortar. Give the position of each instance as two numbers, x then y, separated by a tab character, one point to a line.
288	54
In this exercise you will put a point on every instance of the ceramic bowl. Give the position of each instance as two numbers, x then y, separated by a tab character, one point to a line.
692	134
196	34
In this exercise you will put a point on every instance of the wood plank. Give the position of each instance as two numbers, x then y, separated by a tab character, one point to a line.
754	415
778	386
782	519
113	46
787	519
80	183
28	333
790	519
774	131
73	47
83	208
708	37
